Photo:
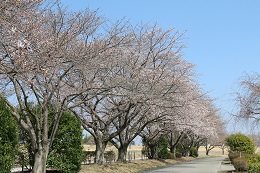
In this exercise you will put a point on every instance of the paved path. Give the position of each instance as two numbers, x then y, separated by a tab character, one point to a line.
205	165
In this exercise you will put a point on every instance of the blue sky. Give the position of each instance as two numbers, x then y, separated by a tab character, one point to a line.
223	36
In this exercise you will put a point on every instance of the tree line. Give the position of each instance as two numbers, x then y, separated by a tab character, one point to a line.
120	80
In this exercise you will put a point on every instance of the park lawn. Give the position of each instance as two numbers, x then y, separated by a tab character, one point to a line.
131	167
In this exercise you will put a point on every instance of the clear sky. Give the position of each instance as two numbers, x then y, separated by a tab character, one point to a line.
223	36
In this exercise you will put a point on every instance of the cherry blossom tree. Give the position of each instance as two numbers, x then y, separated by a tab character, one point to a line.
212	132
143	74
217	140
118	80
151	136
193	123
248	98
42	48
91	107
152	75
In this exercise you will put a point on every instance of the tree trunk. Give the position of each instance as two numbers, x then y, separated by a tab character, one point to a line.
207	152
173	143
173	150
40	159
223	149
185	151
122	152
208	149
153	154
100	152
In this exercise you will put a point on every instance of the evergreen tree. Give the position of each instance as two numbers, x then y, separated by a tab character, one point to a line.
8	137
162	148
240	143
66	152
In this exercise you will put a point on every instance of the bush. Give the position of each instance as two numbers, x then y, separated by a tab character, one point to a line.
178	155
170	155
240	164
253	162
194	152
254	167
239	142
179	149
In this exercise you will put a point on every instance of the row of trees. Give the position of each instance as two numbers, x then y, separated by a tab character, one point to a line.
120	80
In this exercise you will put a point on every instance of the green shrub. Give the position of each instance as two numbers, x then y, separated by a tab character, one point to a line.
240	164
239	142
253	161
254	167
170	155
194	152
178	155
179	149
66	153
162	149
251	158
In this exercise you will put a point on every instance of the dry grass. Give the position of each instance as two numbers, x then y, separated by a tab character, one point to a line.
130	167
136	148
214	152
139	165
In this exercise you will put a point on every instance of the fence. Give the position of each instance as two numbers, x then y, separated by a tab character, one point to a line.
111	156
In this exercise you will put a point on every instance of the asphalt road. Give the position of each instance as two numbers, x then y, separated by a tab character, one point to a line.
205	165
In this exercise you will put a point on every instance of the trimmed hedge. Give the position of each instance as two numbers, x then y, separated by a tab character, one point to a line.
233	155
240	164
248	162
